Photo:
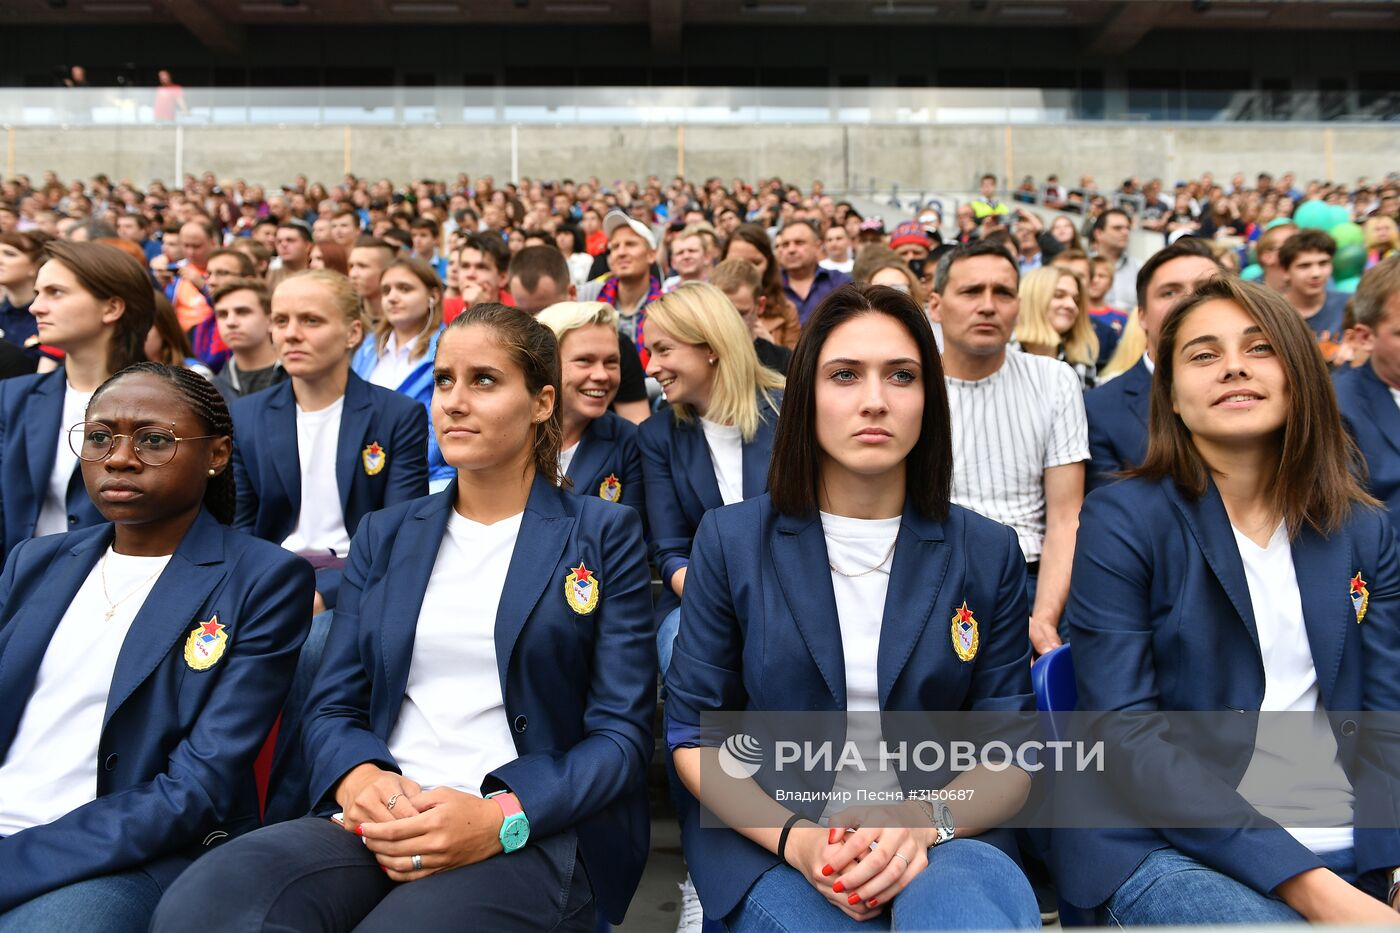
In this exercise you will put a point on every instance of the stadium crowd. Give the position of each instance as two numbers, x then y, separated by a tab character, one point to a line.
394	500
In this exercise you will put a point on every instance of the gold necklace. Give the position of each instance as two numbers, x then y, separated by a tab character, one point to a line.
883	560
112	606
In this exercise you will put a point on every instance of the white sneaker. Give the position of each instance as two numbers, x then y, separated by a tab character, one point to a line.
692	915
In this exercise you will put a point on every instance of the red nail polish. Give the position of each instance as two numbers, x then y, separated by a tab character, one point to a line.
359	830
827	870
872	902
839	888
831	835
853	900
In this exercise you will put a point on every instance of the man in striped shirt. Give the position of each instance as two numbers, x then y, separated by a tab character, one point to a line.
1019	433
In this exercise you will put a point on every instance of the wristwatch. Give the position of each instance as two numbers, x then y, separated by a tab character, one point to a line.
515	828
942	819
1394	886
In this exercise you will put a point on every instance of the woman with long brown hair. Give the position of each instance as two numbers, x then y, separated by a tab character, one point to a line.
1241	569
96	304
481	721
750	243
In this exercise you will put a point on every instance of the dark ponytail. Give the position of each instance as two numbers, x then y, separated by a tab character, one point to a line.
208	405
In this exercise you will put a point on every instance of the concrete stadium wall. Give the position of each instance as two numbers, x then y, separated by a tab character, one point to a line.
934	157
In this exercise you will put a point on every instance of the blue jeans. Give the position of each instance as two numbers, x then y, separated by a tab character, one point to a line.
968	885
666	638
121	903
1173	889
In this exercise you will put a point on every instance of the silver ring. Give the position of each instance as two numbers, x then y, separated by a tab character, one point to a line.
417	863
906	861
392	800
874	846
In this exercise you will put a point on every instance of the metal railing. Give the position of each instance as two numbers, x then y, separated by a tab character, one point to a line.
675	106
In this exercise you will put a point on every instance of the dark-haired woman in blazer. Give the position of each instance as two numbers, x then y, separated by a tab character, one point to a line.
855	586
482	716
711	446
142	664
599	452
96	304
1241	569
318	452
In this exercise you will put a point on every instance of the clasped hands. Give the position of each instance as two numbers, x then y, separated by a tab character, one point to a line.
840	862
445	828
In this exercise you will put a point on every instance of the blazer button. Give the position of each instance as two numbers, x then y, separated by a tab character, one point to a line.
72	519
111	763
1348	727
521	723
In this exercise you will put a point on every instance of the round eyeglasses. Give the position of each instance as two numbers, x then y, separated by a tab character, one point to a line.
94	442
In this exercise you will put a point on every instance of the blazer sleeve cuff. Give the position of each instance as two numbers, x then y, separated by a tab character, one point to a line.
353	748
328	585
669	566
1260	858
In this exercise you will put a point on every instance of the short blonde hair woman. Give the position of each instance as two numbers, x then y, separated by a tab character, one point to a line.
1054	320
598	453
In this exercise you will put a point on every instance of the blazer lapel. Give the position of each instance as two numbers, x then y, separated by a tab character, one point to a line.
171	610
758	452
693	456
354	422
280	436
1323	571
46	407
804	574
1210	526
1385	414
415	553
31	629
1138	383
544	530
593	449
921	560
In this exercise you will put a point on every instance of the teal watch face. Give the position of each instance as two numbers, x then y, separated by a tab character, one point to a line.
515	831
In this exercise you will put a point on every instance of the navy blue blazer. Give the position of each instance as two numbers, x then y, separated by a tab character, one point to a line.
681	486
174	764
759	631
268	472
1160	617
31	408
1117	414
579	690
1373	419
607	449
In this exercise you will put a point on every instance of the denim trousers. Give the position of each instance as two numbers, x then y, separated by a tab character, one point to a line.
968	885
1172	889
119	903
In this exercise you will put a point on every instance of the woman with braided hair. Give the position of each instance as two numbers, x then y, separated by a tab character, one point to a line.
142	663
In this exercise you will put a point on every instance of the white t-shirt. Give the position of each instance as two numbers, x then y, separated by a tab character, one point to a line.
53	514
395	363
321	523
51	766
1287	778
856	545
566	456
452	729
1008	429
845	267
727	456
